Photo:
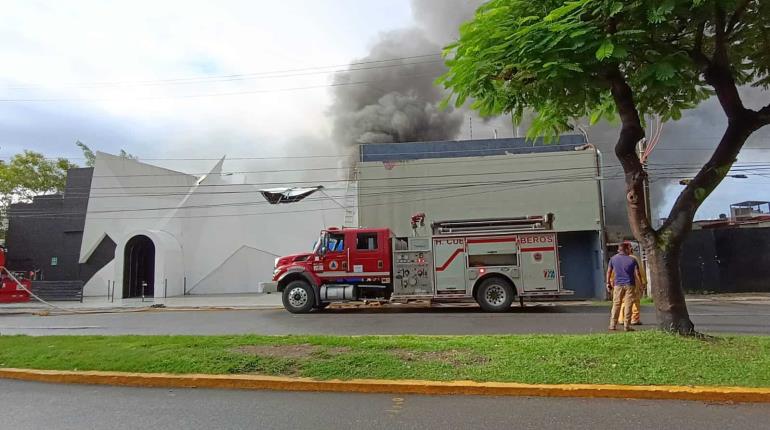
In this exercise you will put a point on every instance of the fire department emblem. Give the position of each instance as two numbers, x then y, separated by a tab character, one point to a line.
333	265
538	257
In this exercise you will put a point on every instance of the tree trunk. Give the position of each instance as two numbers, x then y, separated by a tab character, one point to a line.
667	291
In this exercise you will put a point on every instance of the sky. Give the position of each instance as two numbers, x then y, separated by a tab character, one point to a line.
88	60
201	79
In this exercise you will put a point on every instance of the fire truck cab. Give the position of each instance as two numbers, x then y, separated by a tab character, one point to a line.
490	261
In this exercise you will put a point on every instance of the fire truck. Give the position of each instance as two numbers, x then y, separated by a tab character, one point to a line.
490	261
14	286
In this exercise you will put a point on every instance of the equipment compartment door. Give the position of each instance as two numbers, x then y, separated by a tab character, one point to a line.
539	262
450	263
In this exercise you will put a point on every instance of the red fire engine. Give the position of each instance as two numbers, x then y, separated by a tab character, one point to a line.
10	290
491	261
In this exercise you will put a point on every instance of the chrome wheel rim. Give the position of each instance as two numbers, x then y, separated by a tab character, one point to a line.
495	295
297	297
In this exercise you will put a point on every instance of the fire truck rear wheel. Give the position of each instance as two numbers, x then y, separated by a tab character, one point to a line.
495	295
298	297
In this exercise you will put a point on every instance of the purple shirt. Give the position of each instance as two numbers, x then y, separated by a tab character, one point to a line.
624	267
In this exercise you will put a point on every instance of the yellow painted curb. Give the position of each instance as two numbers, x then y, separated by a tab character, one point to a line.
254	382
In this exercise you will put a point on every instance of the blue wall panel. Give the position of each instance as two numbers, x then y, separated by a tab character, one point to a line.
465	148
582	263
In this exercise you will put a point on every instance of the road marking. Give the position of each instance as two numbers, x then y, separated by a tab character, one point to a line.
76	327
398	404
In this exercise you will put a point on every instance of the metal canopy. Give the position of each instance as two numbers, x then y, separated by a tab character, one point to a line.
287	195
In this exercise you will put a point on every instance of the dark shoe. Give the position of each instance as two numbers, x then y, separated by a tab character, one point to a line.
628	329
636	323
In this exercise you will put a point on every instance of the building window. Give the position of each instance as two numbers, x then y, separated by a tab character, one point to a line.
366	241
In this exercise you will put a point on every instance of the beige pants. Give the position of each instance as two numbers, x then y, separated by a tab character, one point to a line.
622	295
636	310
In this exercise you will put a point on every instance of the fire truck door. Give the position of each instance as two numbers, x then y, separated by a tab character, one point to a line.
335	258
449	259
539	262
366	254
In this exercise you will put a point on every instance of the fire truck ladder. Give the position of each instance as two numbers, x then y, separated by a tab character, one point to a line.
350	205
493	225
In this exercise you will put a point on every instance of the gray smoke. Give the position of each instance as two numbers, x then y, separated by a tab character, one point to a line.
684	147
393	104
402	106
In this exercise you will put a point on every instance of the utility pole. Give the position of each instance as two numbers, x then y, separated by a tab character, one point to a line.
470	127
647	209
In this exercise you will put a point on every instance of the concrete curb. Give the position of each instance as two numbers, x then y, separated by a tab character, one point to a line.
253	382
115	310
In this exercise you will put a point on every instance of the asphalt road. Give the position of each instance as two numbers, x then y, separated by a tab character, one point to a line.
709	317
31	405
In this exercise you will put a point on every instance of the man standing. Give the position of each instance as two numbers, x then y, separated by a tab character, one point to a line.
641	287
622	277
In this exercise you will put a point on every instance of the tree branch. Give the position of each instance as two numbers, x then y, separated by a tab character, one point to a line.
631	132
740	9
697	51
763	116
721	79
717	71
679	221
720	40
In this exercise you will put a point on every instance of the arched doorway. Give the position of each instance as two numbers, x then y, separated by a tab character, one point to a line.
139	267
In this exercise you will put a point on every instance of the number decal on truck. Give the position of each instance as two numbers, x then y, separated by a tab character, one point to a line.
549	274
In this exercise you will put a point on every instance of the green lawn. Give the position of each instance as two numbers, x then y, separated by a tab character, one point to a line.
622	358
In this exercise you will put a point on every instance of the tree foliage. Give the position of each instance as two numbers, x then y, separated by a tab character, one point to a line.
29	174
90	157
607	58
557	57
88	154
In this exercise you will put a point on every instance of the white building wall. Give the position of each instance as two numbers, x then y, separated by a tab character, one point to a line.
563	183
211	235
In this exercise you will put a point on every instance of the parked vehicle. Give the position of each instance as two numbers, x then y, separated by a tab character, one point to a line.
490	261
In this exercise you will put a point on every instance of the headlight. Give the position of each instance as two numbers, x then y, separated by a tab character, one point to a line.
275	264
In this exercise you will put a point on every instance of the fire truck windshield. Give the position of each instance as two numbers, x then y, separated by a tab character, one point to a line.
319	247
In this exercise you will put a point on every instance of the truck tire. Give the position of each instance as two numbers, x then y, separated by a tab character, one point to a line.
495	294
298	297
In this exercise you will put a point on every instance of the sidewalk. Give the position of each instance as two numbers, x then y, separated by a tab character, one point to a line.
102	304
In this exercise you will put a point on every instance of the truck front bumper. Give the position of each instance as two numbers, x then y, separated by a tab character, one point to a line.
268	287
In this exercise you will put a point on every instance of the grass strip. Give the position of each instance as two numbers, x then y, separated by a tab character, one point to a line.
640	358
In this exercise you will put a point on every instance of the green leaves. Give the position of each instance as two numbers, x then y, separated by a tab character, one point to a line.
664	71
605	50
29	174
552	57
560	12
660	13
615	8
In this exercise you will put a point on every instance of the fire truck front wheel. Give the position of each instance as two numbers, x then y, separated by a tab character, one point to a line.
298	297
495	294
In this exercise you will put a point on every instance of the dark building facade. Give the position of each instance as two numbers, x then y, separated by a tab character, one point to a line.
45	235
729	259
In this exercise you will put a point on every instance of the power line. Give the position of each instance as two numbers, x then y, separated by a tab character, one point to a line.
412	188
219	94
294	211
430	188
345	155
216	78
441	187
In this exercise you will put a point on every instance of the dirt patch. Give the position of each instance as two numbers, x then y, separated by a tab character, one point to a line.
303	350
453	357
